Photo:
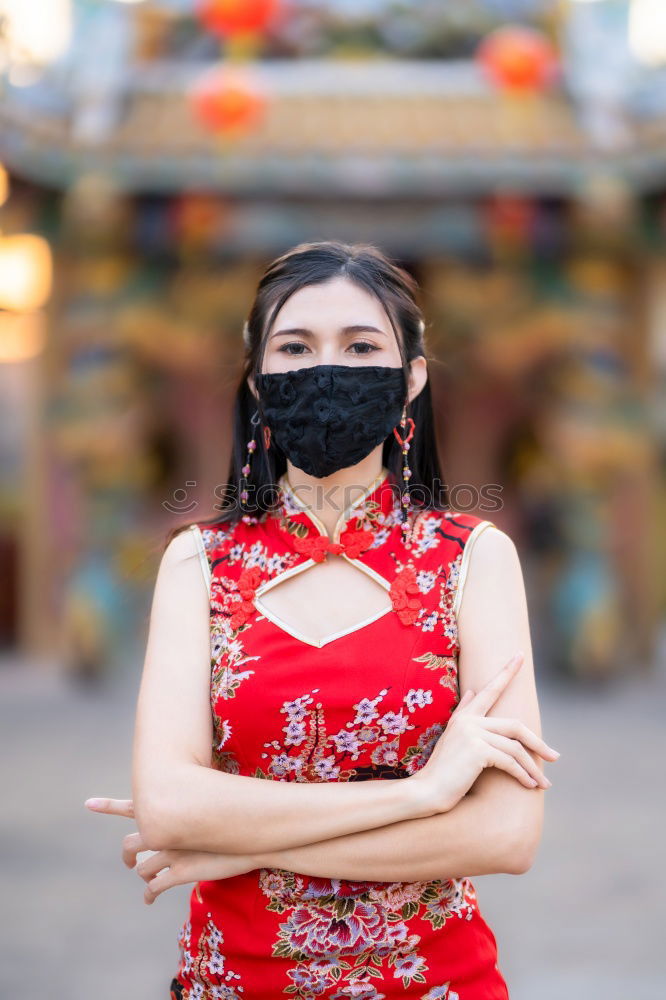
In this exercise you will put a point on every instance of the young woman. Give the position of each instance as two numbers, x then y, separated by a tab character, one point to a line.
302	752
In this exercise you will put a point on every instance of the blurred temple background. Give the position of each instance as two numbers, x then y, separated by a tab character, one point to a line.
156	154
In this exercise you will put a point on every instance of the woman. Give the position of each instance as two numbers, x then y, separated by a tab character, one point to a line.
321	617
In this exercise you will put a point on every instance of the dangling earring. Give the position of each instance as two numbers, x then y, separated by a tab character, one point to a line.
405	498
247	468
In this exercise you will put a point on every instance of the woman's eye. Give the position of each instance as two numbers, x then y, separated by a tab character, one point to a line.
293	343
364	344
358	347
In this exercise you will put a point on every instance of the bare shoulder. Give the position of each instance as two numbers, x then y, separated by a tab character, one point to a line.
491	569
182	545
180	567
492	544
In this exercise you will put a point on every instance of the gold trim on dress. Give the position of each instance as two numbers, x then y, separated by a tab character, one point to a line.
464	563
203	558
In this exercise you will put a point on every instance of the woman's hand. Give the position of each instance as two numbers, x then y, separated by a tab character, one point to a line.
472	742
165	869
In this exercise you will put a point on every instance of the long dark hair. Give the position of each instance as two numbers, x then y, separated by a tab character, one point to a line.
396	289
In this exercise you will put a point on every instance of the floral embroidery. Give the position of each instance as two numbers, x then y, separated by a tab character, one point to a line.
447	597
321	757
447	663
443	992
347	931
206	968
372	710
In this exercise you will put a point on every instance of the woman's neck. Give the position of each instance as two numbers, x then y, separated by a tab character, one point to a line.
327	498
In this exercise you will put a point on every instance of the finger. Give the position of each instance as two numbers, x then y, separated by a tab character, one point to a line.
518	730
166	879
133	844
516	749
149	867
488	695
505	762
466	698
114	807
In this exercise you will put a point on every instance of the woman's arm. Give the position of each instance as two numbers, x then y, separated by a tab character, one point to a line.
509	818
497	826
477	837
180	801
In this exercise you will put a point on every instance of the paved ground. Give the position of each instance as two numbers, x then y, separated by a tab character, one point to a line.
586	923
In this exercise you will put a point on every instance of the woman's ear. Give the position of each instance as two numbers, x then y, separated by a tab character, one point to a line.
253	390
418	376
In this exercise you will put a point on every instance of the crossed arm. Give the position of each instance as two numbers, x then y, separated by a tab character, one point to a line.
374	830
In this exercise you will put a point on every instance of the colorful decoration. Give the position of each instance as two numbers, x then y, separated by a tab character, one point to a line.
236	17
518	58
227	102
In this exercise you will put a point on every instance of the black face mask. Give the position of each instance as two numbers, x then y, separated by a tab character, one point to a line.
328	417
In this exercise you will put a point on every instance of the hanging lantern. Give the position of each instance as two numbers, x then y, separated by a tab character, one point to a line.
25	272
518	58
227	102
234	17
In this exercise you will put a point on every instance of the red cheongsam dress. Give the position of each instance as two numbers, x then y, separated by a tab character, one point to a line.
368	702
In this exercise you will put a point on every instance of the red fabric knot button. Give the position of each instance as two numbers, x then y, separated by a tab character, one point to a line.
352	543
355	541
248	581
316	546
404	591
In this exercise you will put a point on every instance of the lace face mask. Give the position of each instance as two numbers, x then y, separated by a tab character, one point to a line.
328	417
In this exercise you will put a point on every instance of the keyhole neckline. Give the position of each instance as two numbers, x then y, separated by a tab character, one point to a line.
346	514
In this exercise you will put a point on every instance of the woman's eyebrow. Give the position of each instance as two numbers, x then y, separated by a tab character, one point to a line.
346	330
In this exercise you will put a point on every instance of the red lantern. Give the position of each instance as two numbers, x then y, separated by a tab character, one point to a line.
227	102
518	58
234	17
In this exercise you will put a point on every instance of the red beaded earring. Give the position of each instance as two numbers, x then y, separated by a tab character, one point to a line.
405	498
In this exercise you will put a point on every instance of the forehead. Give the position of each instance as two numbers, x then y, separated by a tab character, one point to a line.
337	302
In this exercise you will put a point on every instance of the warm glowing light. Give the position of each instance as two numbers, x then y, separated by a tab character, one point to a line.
22	336
35	32
26	272
647	31
4	185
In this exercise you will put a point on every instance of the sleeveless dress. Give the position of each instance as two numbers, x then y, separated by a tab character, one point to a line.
368	702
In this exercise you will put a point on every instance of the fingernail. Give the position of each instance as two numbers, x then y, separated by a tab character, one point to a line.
548	782
556	752
93	803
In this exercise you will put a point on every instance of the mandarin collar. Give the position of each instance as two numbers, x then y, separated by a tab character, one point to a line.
379	497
